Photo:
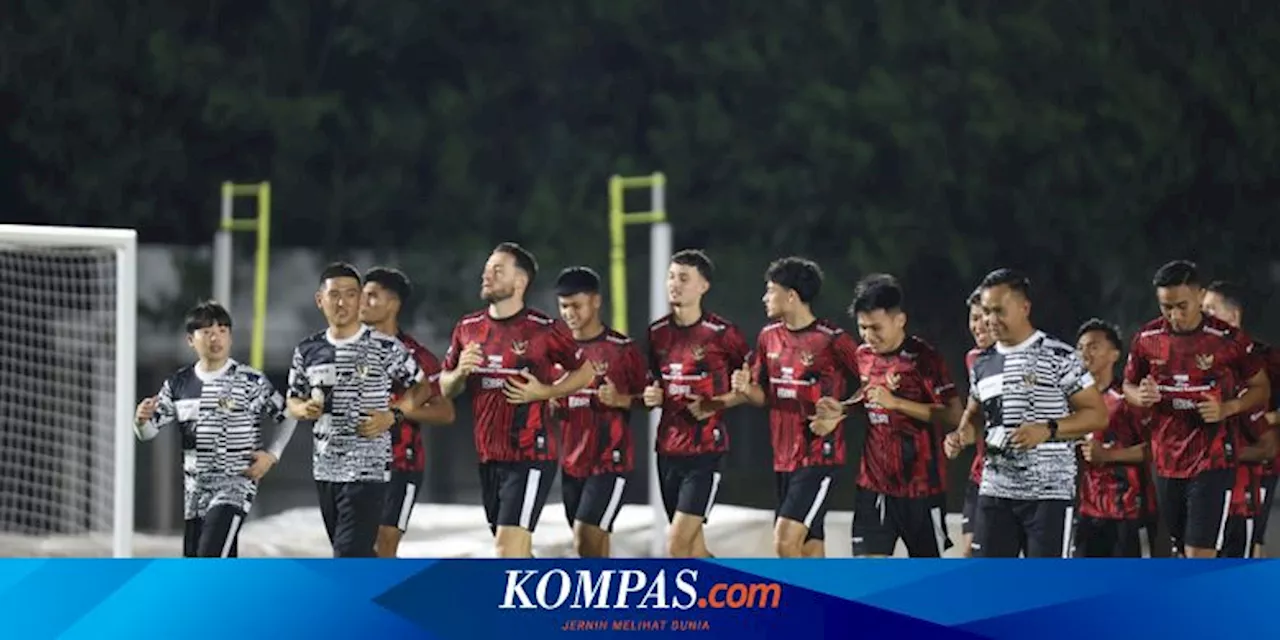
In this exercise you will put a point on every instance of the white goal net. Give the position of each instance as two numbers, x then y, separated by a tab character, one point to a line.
68	319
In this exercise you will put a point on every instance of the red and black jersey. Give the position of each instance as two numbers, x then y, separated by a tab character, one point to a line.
795	368
694	361
1212	359
975	469
529	340
902	457
1246	494
406	437
597	439
1115	491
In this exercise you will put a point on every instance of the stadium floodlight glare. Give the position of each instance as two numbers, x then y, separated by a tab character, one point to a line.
68	304
659	257
223	258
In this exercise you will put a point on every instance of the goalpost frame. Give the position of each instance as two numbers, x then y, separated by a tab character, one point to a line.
125	244
223	259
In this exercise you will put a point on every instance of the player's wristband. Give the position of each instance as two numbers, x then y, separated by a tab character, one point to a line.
398	415
1053	429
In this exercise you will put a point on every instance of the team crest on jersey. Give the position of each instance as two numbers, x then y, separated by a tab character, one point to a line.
698	352
1204	361
806	358
226	405
892	379
362	371
601	368
519	347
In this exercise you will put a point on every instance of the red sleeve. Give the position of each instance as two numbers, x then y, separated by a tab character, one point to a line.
562	349
941	386
651	352
1136	367
430	366
846	352
735	347
636	373
1246	363
455	348
755	363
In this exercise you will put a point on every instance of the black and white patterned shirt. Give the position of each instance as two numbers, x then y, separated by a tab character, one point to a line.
225	416
355	376
1028	383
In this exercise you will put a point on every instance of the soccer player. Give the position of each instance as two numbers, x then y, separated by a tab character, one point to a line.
967	433
692	356
385	293
909	399
1187	368
1113	485
234	430
1225	301
594	422
505	356
341	381
799	360
1036	398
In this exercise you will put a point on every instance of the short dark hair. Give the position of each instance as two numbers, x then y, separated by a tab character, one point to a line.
697	259
1109	331
1232	293
975	298
1177	273
393	280
339	270
878	291
575	280
524	259
801	275
207	314
1012	278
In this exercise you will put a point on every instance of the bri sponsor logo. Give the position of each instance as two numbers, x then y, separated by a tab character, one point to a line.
612	589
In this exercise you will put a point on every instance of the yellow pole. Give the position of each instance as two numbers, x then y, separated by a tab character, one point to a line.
617	255
262	268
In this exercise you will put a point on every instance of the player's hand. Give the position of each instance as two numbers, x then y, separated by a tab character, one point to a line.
881	397
146	410
1148	392
701	408
1094	452
823	426
609	396
953	444
740	381
828	408
262	463
1029	435
1210	408
376	423
653	395
470	359
525	389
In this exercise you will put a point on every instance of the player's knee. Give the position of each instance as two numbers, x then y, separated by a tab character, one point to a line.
513	542
679	544
388	542
814	549
589	541
788	538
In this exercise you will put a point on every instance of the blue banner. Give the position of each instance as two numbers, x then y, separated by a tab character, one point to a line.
472	599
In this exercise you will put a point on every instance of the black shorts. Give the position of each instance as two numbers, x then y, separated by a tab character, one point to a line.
515	492
1264	514
969	511
402	492
351	512
879	521
1238	537
1006	527
593	500
802	497
1108	538
216	535
1195	509
689	483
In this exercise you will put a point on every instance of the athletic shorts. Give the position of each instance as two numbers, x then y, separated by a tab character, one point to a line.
970	510
402	492
879	521
351	512
594	500
1007	527
1264	514
1110	538
1195	509
689	484
802	497
515	492
216	535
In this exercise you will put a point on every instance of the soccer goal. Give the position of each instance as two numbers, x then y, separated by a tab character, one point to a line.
68	316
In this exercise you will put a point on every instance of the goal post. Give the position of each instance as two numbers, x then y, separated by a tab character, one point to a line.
68	306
